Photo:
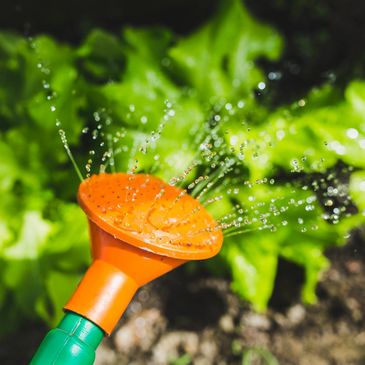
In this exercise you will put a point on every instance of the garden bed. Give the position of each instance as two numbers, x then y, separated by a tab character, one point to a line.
187	318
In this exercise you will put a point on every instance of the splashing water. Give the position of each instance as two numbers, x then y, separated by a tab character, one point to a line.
212	177
217	172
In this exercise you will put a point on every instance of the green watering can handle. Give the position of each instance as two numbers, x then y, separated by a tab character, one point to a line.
73	342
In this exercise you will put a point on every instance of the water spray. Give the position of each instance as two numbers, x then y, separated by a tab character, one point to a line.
140	229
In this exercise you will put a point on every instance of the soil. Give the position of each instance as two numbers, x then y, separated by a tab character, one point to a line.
186	318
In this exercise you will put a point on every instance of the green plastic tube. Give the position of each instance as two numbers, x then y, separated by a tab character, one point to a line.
72	342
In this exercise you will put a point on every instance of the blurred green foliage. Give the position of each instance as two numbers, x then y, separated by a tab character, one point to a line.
309	149
252	354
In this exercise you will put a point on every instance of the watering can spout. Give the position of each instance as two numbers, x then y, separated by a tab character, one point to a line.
135	238
116	273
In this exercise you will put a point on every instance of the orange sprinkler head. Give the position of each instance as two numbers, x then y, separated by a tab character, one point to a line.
140	229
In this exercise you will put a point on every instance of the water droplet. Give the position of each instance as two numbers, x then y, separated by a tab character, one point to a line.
240	104
96	116
144	119
352	133
280	134
261	85
301	102
274	75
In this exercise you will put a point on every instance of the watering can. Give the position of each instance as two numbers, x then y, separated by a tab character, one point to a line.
140	228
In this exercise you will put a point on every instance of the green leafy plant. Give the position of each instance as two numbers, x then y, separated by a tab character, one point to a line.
252	355
182	360
146	83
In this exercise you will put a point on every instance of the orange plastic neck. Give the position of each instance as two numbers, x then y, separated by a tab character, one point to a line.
111	281
103	295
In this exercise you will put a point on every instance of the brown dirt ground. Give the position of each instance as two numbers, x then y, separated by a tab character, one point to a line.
197	319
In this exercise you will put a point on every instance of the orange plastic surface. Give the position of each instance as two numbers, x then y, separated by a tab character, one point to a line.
118	270
147	213
140	229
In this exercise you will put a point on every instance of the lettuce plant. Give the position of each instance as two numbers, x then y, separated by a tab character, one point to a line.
115	93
